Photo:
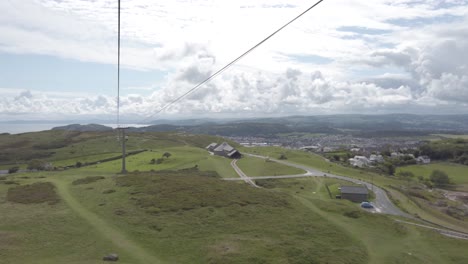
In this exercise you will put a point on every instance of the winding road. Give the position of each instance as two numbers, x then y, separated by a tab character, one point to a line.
382	202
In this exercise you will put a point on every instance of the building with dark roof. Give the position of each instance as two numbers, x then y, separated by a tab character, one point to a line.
354	193
224	149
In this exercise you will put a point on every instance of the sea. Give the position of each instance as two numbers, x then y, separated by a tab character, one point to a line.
14	128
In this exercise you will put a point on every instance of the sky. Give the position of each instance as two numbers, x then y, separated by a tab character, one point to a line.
58	58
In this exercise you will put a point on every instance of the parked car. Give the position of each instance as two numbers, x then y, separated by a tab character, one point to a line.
366	205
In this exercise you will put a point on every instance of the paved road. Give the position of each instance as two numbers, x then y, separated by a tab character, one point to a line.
382	202
242	175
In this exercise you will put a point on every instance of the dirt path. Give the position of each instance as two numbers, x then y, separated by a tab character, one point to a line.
107	231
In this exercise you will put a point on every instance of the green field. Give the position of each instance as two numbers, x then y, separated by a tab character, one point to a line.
313	160
451	136
182	211
252	167
186	217
318	162
456	172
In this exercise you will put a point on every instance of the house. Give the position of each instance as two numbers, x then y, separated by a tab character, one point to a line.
224	149
359	161
355	149
423	160
376	158
354	193
402	155
311	148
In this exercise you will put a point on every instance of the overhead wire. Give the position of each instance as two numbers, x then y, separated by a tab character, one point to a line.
212	76
118	65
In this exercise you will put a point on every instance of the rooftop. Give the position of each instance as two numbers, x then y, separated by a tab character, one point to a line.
354	189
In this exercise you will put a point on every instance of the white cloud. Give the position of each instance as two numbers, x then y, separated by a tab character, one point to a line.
334	59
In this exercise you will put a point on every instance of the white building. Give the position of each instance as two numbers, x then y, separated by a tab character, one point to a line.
376	158
423	160
359	161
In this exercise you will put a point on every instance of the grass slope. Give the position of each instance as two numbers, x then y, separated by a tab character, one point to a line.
316	161
252	167
190	218
457	173
42	233
184	213
385	240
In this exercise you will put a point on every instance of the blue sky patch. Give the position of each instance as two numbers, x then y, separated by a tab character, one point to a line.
53	74
314	59
423	21
363	30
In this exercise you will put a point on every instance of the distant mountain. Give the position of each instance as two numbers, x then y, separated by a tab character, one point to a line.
82	128
357	125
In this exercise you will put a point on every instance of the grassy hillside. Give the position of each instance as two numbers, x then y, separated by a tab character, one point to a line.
180	210
260	167
63	147
190	216
457	173
395	187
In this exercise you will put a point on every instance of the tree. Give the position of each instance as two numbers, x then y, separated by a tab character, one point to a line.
78	164
283	157
389	167
336	157
36	164
156	161
405	174
166	155
439	178
13	169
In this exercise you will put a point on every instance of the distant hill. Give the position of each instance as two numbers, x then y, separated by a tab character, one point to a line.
83	128
358	125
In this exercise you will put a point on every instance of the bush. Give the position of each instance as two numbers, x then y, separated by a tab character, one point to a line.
36	164
353	214
156	161
87	180
439	178
405	174
13	169
39	192
282	157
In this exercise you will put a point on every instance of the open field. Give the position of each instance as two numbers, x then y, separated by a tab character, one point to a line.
386	241
252	167
186	217
180	217
320	163
451	136
181	158
56	145
181	211
316	161
49	233
456	172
